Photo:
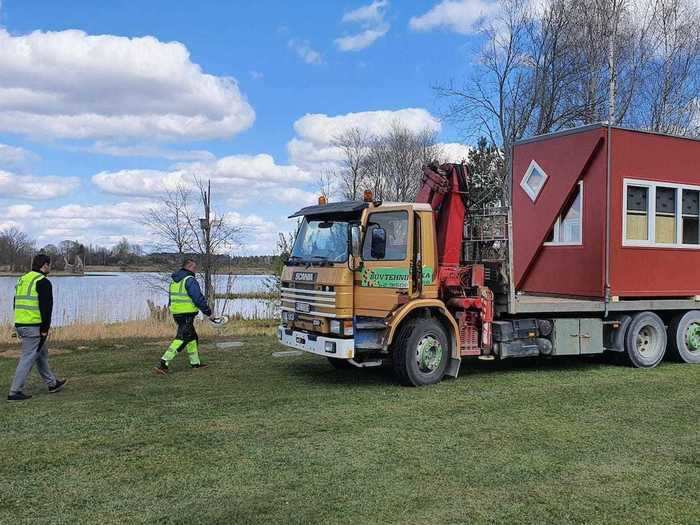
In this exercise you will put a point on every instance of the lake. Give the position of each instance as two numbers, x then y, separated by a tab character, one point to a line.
114	297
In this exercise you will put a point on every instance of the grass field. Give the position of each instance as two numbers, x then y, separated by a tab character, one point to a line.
263	439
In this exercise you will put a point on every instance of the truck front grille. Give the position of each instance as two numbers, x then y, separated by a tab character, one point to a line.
308	302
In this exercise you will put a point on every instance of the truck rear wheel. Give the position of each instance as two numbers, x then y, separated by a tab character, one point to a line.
684	337
420	352
645	340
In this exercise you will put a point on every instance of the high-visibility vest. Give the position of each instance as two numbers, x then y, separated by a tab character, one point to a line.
27	299
180	300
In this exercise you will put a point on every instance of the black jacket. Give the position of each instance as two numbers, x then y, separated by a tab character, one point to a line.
45	292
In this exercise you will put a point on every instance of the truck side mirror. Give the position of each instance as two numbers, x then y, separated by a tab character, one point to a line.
355	240
378	248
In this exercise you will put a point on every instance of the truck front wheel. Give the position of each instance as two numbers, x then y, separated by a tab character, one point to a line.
420	352
684	337
645	340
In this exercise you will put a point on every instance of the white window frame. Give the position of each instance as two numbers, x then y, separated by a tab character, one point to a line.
651	211
526	187
557	226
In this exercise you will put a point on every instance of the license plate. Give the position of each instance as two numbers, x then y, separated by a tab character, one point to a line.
301	341
302	307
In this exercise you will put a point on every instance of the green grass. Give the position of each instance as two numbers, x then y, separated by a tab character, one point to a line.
259	439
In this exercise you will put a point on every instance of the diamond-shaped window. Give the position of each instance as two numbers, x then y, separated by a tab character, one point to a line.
534	180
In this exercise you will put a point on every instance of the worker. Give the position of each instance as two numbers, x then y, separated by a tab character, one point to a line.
186	300
33	306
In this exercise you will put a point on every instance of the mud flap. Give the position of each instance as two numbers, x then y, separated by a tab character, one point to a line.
452	369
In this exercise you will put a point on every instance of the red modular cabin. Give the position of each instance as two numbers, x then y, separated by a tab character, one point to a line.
600	210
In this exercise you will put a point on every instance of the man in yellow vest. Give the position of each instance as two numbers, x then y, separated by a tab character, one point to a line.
186	301
33	307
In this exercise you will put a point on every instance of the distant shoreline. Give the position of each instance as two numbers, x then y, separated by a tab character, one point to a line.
92	270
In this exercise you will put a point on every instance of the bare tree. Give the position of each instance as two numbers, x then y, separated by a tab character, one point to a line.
575	62
326	182
183	226
670	82
398	158
167	222
388	164
16	249
354	144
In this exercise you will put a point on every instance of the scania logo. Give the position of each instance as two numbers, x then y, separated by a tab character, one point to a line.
305	277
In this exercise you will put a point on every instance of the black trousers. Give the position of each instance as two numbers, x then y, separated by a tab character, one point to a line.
185	329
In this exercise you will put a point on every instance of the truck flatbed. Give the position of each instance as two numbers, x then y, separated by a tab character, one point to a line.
539	304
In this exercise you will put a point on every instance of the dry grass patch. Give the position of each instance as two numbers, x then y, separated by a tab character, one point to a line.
146	330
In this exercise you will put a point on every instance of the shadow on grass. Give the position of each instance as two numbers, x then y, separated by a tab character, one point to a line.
323	373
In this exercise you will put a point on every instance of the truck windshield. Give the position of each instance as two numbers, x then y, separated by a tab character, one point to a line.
321	241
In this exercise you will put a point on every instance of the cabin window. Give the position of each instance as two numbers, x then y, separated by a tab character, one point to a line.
637	213
662	214
665	226
568	230
395	226
691	217
533	181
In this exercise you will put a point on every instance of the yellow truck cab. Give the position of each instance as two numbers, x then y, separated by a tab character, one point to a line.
353	276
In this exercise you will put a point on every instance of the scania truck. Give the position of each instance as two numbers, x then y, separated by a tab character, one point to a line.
424	284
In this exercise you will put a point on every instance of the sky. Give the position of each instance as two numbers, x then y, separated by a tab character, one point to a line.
104	106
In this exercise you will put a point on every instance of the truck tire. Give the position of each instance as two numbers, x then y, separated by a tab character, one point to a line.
420	352
684	337
645	340
340	364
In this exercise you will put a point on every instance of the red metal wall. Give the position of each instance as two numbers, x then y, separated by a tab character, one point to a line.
561	270
652	271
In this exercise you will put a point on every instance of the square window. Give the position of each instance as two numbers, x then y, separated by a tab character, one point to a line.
665	225
637	213
534	180
691	217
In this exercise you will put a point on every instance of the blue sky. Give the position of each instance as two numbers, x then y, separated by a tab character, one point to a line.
96	121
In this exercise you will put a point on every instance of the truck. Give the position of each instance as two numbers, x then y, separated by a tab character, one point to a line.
597	251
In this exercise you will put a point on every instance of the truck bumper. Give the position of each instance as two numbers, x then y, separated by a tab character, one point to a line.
317	344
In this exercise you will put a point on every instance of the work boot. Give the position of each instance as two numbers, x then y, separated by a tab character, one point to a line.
200	365
18	396
162	368
58	386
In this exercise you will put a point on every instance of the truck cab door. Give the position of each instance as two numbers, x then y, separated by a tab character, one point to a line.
384	281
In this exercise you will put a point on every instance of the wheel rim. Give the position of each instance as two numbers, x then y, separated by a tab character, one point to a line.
429	354
693	337
647	341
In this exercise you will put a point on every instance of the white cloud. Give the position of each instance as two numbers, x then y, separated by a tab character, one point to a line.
361	40
99	223
459	16
304	51
247	173
312	148
13	157
371	20
372	13
147	151
322	129
35	187
453	152
69	84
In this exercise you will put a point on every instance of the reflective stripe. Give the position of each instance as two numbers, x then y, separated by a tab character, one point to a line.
26	307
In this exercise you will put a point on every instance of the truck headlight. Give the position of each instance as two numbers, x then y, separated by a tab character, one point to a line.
335	326
329	347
